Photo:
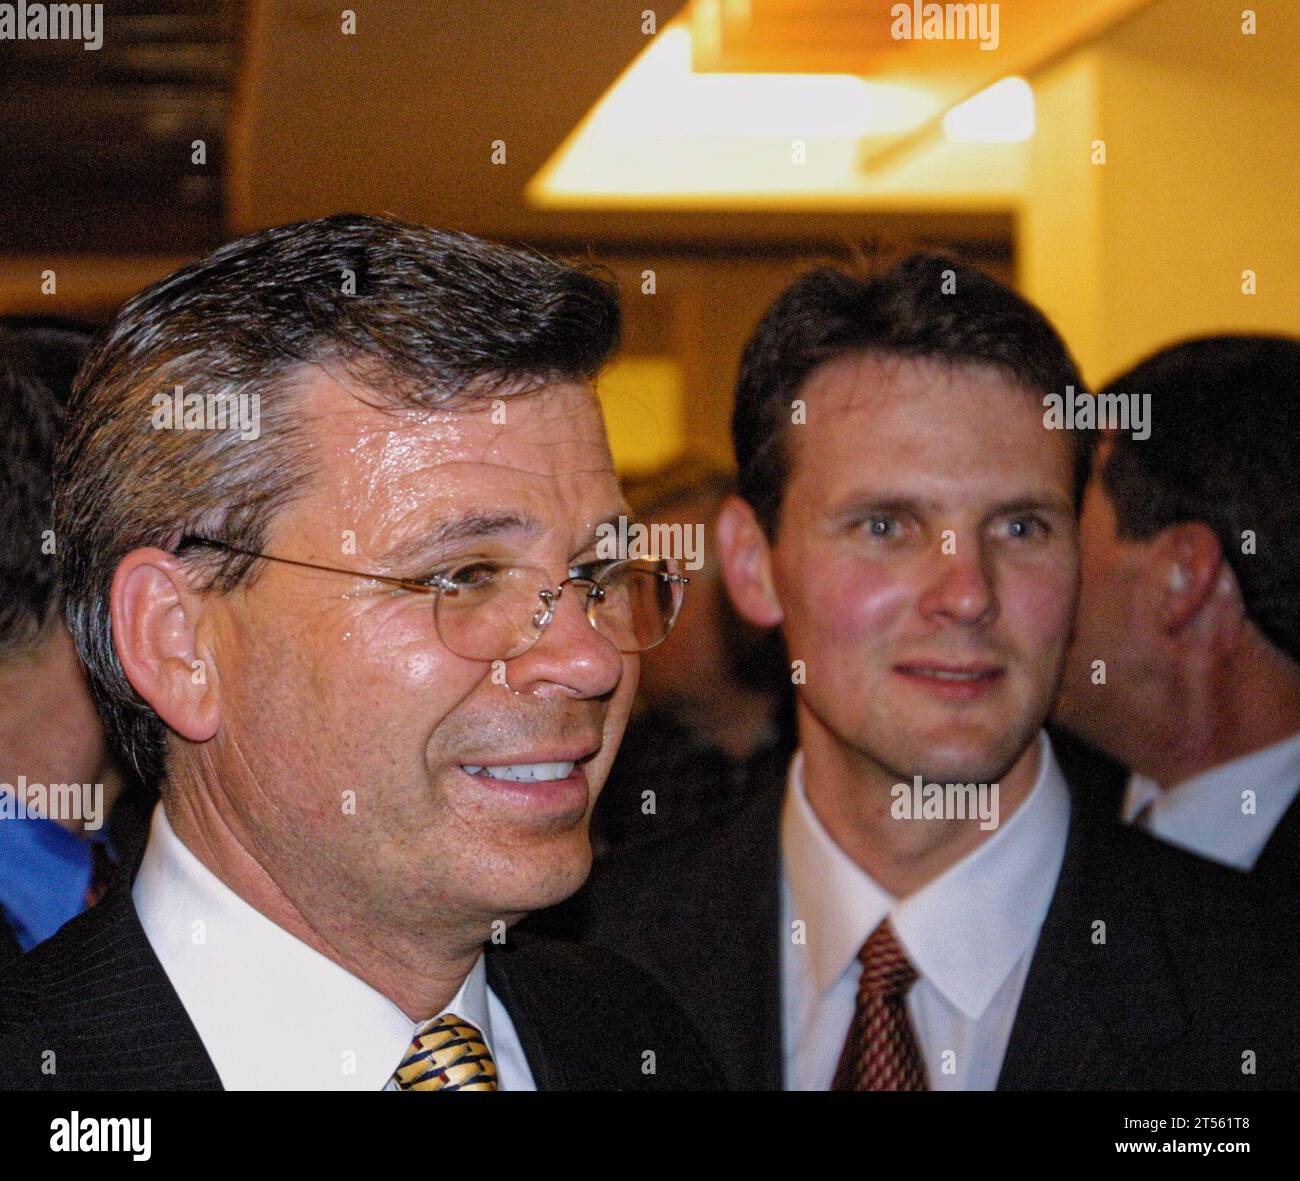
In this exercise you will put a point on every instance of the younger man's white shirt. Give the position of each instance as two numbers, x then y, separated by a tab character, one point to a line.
273	1013
970	934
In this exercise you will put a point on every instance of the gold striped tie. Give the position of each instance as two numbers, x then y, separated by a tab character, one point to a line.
448	1054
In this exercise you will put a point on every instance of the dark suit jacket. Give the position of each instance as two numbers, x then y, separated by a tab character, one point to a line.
1100	782
9	948
97	996
1193	972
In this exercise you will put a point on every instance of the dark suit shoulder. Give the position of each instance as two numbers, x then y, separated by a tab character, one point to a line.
1219	926
92	1009
38	998
628	1033
1096	780
1156	969
1195	892
1279	861
9	946
1235	938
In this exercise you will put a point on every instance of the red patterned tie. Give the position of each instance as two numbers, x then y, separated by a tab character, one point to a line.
881	1053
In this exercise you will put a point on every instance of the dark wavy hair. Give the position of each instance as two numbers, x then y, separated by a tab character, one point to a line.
1224	450
39	357
927	306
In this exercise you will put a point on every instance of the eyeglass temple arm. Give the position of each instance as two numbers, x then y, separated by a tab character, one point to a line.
433	583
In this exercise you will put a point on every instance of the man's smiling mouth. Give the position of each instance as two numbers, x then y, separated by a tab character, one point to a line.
539	765
523	772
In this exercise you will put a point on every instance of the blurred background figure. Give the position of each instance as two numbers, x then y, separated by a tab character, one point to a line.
713	701
1184	672
51	867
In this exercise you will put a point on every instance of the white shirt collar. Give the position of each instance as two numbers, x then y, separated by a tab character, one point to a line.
272	1012
966	930
1204	814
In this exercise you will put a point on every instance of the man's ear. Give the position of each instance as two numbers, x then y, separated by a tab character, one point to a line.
1186	568
747	563
155	617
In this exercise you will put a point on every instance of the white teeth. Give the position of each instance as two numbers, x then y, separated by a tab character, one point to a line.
525	772
944	675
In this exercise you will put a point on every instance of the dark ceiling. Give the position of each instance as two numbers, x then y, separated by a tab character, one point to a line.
97	144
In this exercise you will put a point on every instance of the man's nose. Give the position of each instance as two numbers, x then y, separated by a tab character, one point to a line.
961	586
571	658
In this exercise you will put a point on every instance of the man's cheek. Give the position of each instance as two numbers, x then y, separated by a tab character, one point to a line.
616	719
854	602
1042	611
416	680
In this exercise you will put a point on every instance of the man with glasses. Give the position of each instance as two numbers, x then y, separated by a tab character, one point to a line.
366	644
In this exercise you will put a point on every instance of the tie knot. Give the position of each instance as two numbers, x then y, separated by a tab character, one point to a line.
448	1054
886	970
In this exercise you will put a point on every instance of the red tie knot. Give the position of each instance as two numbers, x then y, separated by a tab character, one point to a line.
886	970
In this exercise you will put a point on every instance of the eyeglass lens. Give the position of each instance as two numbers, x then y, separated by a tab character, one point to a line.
498	611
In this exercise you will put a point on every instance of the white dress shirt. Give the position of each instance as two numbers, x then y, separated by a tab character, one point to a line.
273	1013
1204	814
970	934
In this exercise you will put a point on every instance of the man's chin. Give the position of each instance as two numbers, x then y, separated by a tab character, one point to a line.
975	758
550	879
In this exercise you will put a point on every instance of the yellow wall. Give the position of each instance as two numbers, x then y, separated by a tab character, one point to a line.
641	398
1057	232
1202	181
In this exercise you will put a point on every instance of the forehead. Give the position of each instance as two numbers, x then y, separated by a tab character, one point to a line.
537	452
924	425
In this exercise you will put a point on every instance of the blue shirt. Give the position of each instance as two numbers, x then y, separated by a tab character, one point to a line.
45	871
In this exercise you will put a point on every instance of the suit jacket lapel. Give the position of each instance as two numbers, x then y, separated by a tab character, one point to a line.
1091	1009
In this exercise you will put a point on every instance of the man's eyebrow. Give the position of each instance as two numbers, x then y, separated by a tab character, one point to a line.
884	503
460	527
1047	502
890	503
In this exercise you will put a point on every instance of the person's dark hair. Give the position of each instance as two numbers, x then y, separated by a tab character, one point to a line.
926	306
416	316
39	357
1223	450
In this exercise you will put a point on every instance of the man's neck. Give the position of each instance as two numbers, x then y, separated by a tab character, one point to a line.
851	797
1212	717
419	975
37	744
